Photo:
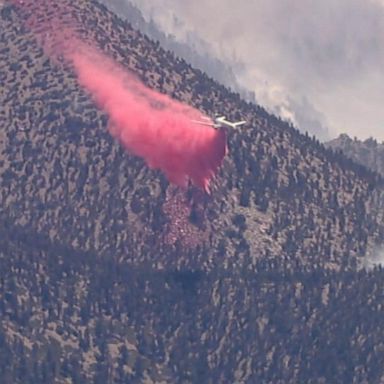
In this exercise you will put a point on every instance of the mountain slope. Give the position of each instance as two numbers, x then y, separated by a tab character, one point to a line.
194	51
95	243
369	152
287	181
90	319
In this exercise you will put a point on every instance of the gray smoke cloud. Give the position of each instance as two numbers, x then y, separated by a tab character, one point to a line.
314	62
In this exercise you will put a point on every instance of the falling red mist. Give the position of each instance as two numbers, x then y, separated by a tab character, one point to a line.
149	124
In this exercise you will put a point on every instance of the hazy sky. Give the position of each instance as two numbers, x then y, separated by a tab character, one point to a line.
319	63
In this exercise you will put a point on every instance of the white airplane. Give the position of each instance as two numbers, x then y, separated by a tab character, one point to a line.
219	122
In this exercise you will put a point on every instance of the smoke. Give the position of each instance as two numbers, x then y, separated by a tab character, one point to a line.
329	53
148	124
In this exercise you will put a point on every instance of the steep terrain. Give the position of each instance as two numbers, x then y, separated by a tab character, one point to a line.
196	52
111	274
369	152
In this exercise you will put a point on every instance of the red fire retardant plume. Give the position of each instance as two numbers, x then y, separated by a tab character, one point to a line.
149	124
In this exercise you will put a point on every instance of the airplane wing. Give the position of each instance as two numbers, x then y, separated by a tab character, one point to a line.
238	123
230	123
218	122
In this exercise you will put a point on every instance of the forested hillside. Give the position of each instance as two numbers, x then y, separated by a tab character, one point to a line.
197	52
369	152
110	274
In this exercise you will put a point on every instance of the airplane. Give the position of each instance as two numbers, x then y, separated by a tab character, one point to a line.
219	122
